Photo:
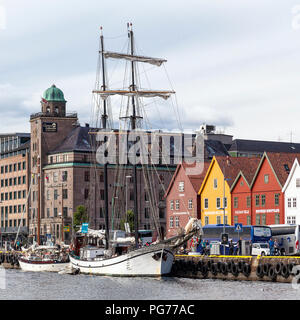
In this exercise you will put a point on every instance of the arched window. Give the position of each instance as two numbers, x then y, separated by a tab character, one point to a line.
48	109
56	109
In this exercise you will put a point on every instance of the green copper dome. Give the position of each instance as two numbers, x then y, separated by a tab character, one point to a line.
54	94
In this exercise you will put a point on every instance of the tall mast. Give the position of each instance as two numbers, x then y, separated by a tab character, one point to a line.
104	122
133	127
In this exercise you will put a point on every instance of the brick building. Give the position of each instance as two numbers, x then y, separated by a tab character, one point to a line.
15	181
66	175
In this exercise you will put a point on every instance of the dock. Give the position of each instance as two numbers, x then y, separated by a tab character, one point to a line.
248	268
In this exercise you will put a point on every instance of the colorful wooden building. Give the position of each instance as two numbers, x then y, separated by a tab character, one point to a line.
266	188
182	199
215	191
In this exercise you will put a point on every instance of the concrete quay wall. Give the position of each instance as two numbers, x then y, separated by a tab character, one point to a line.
249	268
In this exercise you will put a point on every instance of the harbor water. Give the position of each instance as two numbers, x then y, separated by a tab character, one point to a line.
20	285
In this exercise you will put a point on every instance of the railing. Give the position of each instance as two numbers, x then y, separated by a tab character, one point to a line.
53	114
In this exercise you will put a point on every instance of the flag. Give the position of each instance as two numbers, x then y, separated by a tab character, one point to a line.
44	100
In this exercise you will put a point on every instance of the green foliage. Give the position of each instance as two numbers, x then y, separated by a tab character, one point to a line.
130	219
80	216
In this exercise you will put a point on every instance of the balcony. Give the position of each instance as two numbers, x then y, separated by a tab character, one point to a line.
9	230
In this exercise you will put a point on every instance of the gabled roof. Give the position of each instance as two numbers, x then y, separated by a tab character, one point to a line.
230	167
264	146
77	140
195	180
281	164
289	178
247	172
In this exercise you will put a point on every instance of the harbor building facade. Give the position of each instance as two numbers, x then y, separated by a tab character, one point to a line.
291	190
66	175
182	198
266	187
15	181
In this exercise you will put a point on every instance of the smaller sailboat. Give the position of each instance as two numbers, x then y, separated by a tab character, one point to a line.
44	258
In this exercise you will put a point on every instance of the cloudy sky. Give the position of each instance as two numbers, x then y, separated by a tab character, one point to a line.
235	64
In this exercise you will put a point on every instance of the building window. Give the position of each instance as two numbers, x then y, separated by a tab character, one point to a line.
235	202
248	201
64	175
248	220
263	219
190	204
65	212
218	219
276	199
298	183
225	202
177	204
257	200
206	220
293	220
55	176
55	212
218	203
176	222
172	204
147	213
235	219
206	203
86	194
48	194
226	220
257	219
181	186
161	213
86	176
266	178
215	183
48	212
55	194
294	202
289	202
102	194
65	193
171	223
263	200
277	218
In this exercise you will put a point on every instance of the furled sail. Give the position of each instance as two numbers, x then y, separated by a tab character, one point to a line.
141	93
116	55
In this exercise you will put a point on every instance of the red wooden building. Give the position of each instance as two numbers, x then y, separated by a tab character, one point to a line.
241	208
258	197
182	199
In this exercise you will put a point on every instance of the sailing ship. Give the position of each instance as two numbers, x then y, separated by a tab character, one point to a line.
44	258
132	260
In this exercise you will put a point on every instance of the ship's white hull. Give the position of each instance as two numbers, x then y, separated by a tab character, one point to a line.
140	262
38	266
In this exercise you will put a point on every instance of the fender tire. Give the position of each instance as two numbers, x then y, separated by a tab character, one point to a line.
259	271
285	271
266	267
278	267
235	270
272	273
246	269
224	268
214	269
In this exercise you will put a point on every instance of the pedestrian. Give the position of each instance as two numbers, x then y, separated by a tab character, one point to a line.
231	247
271	246
276	247
240	247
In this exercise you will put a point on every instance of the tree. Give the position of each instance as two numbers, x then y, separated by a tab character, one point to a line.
80	216
130	219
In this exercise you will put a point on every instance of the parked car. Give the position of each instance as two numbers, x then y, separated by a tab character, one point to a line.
261	249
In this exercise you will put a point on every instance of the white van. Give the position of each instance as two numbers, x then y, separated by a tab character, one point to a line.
260	249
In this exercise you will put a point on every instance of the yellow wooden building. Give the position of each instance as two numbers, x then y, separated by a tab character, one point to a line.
215	193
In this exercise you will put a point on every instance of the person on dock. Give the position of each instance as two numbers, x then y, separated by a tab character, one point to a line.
271	246
231	248
240	247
